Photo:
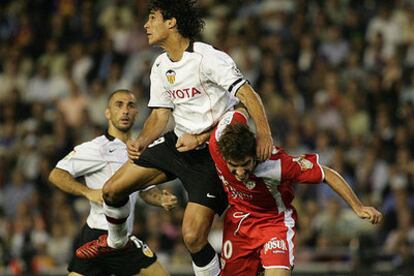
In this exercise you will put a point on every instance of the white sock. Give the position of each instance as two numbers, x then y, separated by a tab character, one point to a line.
117	232
211	269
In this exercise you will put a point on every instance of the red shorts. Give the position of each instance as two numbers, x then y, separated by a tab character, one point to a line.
251	243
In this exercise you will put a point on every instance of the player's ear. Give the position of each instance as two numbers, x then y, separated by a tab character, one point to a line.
107	114
171	23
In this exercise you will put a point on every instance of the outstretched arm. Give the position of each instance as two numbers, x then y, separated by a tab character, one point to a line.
341	187
156	197
67	183
254	106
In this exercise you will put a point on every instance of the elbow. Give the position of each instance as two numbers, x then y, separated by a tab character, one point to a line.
52	176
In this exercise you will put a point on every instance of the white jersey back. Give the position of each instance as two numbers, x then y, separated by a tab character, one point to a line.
97	161
199	88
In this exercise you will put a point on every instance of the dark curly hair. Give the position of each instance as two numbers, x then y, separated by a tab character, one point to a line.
188	16
237	142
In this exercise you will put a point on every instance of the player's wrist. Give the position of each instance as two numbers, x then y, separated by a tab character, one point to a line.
85	192
202	138
357	207
144	141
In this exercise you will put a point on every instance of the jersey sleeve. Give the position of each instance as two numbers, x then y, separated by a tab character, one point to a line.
302	169
229	118
222	70
158	95
84	159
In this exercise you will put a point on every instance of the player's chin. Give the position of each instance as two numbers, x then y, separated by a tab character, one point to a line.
152	40
241	178
124	126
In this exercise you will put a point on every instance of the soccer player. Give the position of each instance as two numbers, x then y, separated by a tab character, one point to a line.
96	161
259	226
197	84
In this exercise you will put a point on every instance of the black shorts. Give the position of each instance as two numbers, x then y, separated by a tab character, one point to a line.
126	262
194	168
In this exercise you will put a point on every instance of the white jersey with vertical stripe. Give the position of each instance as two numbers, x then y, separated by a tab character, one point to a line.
96	161
269	189
199	88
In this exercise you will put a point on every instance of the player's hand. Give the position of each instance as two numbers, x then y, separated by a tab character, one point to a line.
135	148
264	145
95	196
370	213
133	152
186	142
168	200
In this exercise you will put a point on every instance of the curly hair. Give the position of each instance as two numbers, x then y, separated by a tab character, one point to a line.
188	16
237	142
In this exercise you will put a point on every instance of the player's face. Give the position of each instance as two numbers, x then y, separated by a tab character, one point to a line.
122	111
243	168
157	28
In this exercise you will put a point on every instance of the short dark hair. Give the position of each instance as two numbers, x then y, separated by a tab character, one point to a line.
116	92
237	142
187	14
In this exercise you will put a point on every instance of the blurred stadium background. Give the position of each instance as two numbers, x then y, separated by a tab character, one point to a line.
336	78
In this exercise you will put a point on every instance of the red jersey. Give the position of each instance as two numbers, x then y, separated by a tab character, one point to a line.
269	188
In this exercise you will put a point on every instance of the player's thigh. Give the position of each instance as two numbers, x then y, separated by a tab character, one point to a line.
197	220
242	265
277	272
154	270
74	274
130	178
277	250
239	252
201	182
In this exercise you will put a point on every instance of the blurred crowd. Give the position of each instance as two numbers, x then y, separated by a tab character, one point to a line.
336	78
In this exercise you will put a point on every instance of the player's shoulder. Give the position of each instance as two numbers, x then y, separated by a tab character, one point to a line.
277	153
201	47
102	140
160	57
276	166
160	61
306	160
270	168
94	144
206	49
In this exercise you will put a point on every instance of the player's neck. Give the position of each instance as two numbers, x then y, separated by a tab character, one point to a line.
123	136
175	47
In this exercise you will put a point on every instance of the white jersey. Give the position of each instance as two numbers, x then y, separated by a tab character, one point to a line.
97	161
200	87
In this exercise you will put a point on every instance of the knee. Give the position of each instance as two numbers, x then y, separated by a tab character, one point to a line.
194	240
110	195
